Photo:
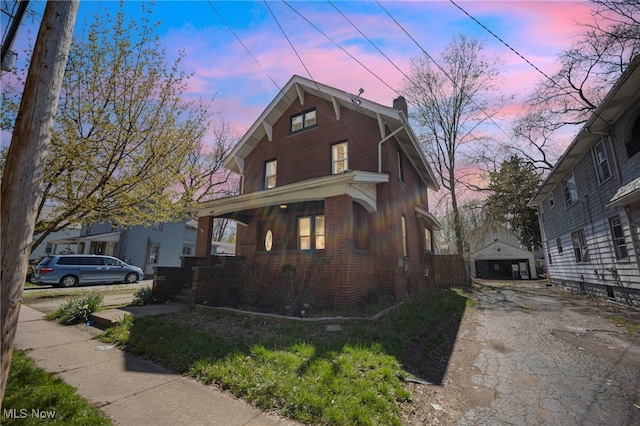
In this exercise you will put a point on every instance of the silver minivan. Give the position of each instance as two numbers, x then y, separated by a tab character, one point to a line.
68	270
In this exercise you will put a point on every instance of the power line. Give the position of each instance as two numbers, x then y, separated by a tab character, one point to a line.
525	59
341	48
351	136
441	69
242	44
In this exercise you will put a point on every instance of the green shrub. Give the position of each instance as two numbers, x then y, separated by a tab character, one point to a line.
144	296
76	310
119	333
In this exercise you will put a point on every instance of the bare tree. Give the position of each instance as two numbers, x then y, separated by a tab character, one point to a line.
451	99
203	177
587	71
25	163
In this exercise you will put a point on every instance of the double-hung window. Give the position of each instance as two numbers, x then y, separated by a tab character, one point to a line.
580	249
154	250
311	233
270	170
570	190
405	243
602	162
427	240
619	240
339	158
303	120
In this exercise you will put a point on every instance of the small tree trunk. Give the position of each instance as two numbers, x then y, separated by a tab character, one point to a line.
24	170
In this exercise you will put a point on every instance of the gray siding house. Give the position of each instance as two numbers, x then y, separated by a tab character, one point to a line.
161	244
589	205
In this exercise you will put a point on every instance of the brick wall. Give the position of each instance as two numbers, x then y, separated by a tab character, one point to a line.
204	236
347	273
307	154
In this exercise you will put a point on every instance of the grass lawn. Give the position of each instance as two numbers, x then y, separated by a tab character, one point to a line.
352	376
35	397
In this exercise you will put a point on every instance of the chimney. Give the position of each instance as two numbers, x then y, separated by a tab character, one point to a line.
401	103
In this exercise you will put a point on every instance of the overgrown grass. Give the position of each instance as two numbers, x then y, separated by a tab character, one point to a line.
76	309
31	390
144	296
630	326
347	377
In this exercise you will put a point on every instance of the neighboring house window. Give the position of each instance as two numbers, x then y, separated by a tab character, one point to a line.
49	248
270	170
154	249
427	240
339	158
549	253
311	233
157	226
619	241
559	244
580	246
633	145
405	245
552	202
400	168
570	190
602	162
303	121
186	250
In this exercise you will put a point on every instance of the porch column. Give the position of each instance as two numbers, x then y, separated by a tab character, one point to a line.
204	237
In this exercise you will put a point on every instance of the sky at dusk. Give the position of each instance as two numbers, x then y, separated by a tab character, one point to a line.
243	87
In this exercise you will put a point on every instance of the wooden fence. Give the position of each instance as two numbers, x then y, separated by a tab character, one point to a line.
448	270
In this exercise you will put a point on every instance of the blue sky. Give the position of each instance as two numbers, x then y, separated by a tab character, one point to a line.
538	30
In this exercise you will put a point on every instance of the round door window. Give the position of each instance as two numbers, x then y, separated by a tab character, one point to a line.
268	240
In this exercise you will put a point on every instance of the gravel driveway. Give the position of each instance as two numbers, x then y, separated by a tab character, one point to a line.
528	354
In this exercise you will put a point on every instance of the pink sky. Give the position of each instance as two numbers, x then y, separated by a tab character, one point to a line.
221	66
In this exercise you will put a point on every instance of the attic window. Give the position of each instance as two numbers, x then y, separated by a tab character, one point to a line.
303	120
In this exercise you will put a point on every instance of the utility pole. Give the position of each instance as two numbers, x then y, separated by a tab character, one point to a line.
7	43
24	168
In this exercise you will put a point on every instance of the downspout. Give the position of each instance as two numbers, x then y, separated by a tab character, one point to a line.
390	135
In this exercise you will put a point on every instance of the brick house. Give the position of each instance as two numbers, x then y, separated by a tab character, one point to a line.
589	205
334	186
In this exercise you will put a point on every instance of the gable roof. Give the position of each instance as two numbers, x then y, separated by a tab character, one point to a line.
296	88
624	92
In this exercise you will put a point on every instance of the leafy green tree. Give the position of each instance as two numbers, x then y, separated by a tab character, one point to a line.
124	136
511	189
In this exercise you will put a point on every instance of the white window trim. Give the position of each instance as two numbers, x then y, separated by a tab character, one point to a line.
598	164
565	181
403	231
613	238
267	175
335	161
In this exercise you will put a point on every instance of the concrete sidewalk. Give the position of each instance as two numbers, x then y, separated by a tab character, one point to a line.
130	390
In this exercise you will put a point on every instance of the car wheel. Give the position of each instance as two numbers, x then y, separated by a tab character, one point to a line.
131	278
69	281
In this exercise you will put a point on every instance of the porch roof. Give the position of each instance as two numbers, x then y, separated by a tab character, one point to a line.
626	195
361	186
428	217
